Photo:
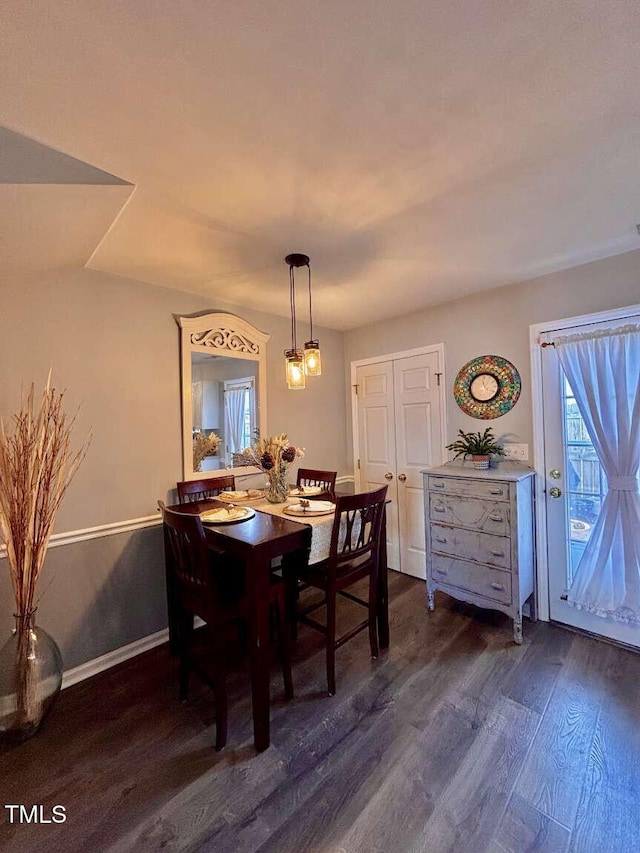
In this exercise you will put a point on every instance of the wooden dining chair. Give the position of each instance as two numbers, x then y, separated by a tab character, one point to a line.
201	589
354	554
200	490
325	479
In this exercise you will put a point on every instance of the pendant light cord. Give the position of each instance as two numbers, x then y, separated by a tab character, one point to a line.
292	300
310	312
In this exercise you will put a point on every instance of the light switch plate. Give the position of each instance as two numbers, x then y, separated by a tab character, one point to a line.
519	452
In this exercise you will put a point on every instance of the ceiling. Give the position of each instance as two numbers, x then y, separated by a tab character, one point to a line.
417	151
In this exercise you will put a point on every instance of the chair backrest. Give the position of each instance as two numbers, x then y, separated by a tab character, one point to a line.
200	490
357	527
325	479
191	558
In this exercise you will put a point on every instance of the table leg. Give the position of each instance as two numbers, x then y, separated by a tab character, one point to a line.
259	653
383	588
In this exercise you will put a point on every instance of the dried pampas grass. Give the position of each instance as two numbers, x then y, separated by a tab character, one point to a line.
36	468
204	445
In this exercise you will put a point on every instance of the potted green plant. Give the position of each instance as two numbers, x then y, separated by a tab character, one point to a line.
480	446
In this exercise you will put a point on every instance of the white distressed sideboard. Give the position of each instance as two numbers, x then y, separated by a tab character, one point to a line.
480	536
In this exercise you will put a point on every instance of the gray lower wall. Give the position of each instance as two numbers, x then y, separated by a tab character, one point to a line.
113	344
101	594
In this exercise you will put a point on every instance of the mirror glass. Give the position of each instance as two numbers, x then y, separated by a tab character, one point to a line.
224	399
224	395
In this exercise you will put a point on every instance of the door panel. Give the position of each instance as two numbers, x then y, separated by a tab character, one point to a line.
574	487
418	446
399	433
376	440
416	431
376	436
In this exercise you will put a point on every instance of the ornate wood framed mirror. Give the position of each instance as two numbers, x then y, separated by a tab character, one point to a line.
223	362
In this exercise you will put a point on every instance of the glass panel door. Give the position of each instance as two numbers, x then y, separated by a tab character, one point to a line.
585	480
575	486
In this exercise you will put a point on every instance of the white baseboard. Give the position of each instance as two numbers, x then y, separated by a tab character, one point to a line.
93	667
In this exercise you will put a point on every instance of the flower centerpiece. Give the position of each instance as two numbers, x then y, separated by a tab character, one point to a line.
273	456
204	445
36	468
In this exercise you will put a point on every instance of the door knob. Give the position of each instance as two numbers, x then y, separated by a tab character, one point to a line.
555	474
555	492
388	476
402	477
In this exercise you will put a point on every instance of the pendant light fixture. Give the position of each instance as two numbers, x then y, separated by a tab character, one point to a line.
294	357
312	359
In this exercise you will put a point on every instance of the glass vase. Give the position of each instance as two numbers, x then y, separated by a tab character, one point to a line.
277	489
30	680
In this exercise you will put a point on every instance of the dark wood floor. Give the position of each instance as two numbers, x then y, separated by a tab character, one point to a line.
453	740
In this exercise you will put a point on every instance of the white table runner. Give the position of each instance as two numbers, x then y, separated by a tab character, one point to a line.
321	526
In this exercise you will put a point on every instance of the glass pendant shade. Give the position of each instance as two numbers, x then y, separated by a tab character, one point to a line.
295	369
312	359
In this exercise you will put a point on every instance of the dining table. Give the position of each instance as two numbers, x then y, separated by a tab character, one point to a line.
257	541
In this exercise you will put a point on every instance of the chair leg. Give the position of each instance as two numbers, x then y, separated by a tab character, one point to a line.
222	709
219	685
290	597
373	614
184	635
331	641
282	629
184	678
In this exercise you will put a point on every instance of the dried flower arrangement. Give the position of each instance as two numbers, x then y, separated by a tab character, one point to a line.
36	468
204	445
274	455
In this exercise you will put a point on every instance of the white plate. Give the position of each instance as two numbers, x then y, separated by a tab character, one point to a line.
227	516
241	497
314	508
295	491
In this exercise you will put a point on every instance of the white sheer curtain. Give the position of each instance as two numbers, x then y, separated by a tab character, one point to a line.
603	369
234	401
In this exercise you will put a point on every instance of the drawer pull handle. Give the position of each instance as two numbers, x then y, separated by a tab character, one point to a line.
441	571
498	553
439	509
442	539
495	491
495	517
497	586
438	485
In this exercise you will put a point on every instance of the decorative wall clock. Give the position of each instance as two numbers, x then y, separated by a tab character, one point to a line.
487	387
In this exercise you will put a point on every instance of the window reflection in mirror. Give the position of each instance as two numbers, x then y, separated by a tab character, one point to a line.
224	394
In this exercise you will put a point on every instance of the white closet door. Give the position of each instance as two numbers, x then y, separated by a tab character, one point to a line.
399	410
418	446
377	443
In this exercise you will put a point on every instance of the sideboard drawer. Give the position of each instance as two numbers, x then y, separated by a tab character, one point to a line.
484	581
483	515
471	545
492	489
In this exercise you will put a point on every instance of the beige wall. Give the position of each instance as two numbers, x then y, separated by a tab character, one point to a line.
497	322
114	345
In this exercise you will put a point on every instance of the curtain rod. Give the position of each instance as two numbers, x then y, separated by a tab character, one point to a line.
545	344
